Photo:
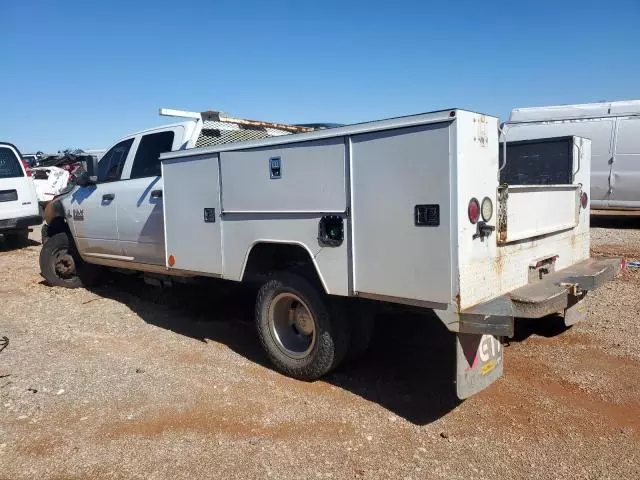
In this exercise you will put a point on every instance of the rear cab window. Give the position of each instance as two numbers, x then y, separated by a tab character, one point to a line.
9	164
147	160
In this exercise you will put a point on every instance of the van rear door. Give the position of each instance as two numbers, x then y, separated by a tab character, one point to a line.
625	176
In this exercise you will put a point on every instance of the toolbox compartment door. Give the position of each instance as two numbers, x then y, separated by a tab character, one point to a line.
401	213
192	214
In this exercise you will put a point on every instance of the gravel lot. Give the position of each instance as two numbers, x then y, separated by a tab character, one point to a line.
128	381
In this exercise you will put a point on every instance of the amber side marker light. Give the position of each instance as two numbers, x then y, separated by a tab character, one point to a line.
172	260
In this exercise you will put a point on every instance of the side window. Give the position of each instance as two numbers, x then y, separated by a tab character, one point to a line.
111	164
147	161
9	165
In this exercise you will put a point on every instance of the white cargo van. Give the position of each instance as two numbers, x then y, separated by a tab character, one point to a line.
18	201
614	130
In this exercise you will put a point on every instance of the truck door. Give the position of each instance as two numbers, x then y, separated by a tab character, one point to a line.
93	211
625	176
140	204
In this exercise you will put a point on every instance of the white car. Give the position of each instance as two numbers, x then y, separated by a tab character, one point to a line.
18	200
49	182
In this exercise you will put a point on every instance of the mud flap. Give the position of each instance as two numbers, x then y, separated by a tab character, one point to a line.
575	313
478	362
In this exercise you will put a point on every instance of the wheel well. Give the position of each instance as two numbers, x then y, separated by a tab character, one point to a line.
57	225
265	258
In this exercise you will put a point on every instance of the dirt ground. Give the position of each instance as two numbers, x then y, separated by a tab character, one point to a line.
129	381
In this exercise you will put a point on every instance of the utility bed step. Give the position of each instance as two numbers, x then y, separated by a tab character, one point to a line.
586	275
554	293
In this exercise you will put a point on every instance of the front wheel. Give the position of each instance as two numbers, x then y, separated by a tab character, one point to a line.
303	334
61	265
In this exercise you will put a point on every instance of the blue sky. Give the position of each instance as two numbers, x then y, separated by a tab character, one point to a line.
82	73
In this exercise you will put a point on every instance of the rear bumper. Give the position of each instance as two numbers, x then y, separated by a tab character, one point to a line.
555	293
19	223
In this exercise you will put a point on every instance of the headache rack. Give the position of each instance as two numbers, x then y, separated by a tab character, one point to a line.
219	129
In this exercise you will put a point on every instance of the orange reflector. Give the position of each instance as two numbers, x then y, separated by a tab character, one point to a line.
172	260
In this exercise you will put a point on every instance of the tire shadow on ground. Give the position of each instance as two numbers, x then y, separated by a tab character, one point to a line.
550	326
6	246
408	369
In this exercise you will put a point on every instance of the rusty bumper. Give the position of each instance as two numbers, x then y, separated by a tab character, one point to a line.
553	294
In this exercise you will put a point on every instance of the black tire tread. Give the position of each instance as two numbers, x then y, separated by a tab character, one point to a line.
86	274
332	340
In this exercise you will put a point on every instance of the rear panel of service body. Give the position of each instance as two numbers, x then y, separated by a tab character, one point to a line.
544	220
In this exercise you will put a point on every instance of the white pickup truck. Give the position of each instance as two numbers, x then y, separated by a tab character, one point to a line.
416	211
18	200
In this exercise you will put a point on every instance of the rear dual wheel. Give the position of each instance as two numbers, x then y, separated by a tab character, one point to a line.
300	328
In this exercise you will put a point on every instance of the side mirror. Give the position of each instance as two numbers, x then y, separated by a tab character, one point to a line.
89	177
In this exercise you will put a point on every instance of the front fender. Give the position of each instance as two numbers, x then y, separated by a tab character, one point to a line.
54	209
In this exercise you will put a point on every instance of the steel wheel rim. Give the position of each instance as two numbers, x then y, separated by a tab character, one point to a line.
292	326
63	264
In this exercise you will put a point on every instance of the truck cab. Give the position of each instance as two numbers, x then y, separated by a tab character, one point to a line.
119	217
115	215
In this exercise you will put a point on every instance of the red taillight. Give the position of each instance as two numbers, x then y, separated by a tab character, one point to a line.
584	199
473	210
26	168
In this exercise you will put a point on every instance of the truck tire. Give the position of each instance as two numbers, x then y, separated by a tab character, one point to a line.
301	330
17	239
61	265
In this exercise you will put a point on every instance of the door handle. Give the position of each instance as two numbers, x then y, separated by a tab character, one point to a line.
156	194
108	197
